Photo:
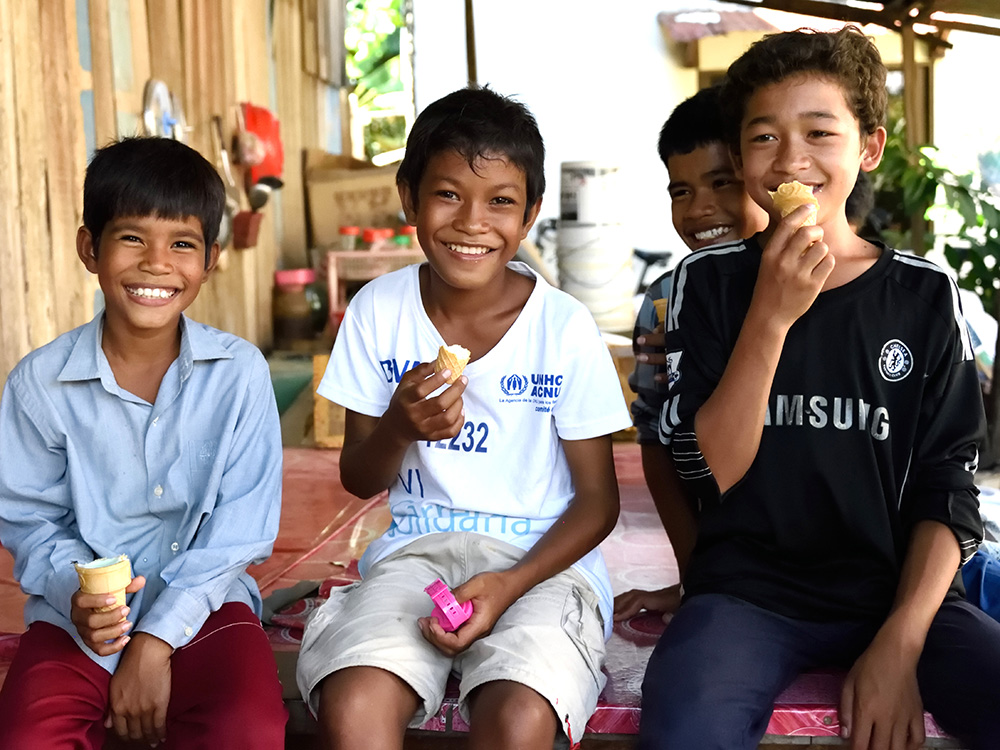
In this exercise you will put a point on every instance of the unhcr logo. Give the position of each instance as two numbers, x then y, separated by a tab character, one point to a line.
513	385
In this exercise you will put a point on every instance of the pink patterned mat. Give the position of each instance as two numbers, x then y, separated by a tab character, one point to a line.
639	556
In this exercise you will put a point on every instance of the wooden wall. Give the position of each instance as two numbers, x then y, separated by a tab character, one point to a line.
72	74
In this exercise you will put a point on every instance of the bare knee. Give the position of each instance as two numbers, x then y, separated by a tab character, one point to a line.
365	707
509	714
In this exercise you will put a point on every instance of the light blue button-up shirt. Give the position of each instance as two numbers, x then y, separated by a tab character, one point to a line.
188	487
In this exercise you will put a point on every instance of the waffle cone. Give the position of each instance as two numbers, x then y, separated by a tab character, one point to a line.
661	309
453	358
112	578
791	195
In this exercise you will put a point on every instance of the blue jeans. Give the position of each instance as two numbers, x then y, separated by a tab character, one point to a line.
713	677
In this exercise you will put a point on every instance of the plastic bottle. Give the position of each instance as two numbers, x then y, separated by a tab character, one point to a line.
368	238
410	232
377	238
349	237
294	308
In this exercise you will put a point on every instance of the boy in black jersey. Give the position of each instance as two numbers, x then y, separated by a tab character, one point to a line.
824	409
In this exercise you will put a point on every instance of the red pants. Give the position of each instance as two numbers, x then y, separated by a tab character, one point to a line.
224	691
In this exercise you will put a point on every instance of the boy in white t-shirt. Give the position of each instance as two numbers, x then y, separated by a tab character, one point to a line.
501	485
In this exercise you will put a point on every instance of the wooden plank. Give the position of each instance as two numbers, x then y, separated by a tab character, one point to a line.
132	100
312	37
257	73
292	110
166	52
102	69
31	148
66	157
13	310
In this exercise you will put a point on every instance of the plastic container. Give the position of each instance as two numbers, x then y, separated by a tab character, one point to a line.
349	237
410	233
296	307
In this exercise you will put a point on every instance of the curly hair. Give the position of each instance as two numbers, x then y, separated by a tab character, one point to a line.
846	56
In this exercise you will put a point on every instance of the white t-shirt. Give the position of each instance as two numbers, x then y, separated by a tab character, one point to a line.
505	475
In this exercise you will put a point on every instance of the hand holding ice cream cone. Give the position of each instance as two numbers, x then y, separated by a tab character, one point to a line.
791	195
453	358
108	575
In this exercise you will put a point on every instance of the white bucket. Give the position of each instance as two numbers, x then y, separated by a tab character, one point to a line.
589	193
595	266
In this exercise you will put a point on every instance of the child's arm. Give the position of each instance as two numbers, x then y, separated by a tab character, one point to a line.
104	633
794	266
672	502
590	517
880	696
37	518
374	446
139	693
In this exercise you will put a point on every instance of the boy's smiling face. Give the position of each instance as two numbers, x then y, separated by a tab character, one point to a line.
707	201
469	222
801	128
150	269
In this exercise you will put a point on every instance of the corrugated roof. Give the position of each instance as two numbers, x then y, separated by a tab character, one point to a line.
690	25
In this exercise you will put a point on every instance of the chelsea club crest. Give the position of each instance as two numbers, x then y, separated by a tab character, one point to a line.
895	361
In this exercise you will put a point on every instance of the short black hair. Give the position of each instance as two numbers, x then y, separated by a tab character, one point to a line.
148	176
476	122
847	57
695	122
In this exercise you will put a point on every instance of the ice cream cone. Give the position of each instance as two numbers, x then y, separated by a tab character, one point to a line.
791	195
453	358
109	575
661	309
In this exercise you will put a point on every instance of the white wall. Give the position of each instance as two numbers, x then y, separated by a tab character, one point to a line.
597	76
966	107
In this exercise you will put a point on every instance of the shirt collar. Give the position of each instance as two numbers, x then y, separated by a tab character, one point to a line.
87	361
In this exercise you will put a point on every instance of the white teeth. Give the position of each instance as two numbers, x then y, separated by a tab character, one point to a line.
711	234
466	250
150	292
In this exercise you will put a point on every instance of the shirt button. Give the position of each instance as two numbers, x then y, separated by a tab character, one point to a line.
155	420
188	632
158	490
175	546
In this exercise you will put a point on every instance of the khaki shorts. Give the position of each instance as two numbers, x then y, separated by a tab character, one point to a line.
551	639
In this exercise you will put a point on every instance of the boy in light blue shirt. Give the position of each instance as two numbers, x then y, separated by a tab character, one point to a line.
147	434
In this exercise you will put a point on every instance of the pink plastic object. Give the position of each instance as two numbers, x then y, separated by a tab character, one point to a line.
449	613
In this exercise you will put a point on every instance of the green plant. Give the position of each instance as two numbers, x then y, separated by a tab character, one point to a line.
372	40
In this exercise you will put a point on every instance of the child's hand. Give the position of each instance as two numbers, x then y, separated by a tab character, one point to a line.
491	594
140	691
102	632
651	349
417	417
880	704
634	601
793	268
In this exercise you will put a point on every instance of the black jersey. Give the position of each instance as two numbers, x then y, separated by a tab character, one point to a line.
873	422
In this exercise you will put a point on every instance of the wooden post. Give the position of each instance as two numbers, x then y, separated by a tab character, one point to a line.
66	160
13	310
31	165
470	44
911	111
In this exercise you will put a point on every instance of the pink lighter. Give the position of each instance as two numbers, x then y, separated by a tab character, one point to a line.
449	613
